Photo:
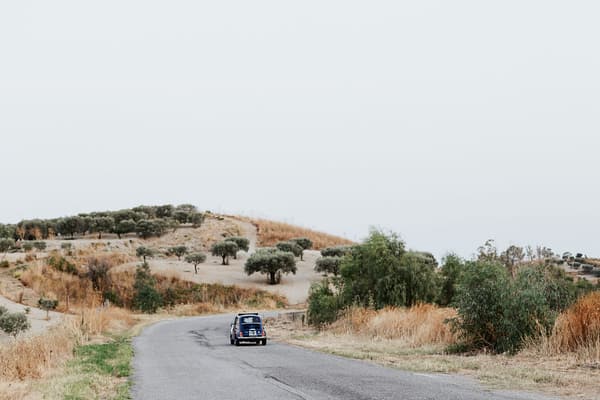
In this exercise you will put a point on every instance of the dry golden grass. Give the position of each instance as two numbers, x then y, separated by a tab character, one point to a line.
271	232
421	325
32	357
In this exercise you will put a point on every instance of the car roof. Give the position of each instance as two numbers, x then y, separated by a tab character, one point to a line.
247	313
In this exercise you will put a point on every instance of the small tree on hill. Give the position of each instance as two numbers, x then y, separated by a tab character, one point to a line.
27	246
102	224
40	246
146	298
196	258
303	242
178	251
271	263
328	265
336	251
197	219
14	323
224	250
290	247
242	243
144	252
47	305
125	226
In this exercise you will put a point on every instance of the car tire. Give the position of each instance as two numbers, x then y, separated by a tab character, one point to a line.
230	340
237	342
264	342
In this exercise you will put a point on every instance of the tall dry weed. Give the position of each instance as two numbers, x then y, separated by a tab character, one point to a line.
271	232
420	325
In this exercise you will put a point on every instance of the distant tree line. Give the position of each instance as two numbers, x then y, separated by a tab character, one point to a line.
145	221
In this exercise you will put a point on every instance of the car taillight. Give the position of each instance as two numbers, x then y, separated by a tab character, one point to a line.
241	333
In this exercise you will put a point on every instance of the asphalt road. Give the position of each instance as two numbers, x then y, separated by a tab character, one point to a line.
192	359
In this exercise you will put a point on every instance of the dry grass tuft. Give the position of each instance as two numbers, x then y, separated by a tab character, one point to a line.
271	232
576	331
423	324
32	357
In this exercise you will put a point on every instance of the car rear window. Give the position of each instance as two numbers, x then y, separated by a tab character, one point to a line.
251	326
251	319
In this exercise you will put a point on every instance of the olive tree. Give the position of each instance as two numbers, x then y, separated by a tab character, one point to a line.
328	265
225	250
195	258
14	323
242	243
47	305
178	251
336	251
271	263
125	226
102	224
290	247
144	252
303	242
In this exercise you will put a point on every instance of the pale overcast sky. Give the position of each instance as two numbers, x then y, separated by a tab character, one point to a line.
449	122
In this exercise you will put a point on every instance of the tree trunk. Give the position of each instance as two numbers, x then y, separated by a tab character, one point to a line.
272	278
302	256
196	268
118	235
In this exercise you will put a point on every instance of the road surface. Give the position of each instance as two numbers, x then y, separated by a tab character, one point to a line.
192	359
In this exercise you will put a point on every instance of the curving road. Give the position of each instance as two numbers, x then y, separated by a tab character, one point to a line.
192	359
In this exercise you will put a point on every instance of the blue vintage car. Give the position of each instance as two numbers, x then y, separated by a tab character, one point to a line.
247	327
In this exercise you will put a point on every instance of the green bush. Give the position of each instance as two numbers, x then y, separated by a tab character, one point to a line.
39	245
146	298
380	272
3	310
14	323
6	244
449	277
4	264
61	264
27	246
498	313
323	304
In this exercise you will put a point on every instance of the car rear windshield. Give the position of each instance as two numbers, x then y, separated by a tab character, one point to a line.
251	326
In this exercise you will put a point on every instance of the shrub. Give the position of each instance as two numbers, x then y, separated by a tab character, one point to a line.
4	264
27	246
242	243
39	245
224	250
6	244
499	313
14	323
323	304
98	273
336	251
146	298
328	265
178	251
195	258
61	264
271	263
3	310
290	247
150	227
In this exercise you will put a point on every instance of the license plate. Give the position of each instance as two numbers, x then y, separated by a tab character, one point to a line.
252	333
